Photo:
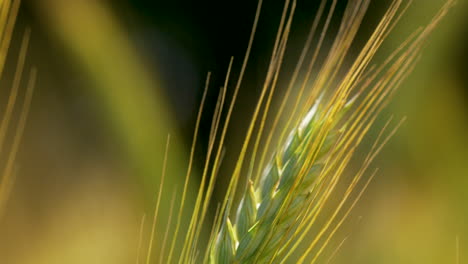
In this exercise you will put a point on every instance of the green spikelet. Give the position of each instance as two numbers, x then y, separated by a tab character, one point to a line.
247	211
227	240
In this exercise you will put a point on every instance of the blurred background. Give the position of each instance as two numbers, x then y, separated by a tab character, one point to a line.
116	77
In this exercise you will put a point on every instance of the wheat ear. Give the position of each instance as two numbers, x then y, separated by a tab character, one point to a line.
280	206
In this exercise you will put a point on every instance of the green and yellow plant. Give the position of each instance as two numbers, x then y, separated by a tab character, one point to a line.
287	175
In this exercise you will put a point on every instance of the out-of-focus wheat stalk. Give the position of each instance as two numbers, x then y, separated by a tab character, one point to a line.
8	13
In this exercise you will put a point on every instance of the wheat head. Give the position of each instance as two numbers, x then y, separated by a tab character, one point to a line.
281	205
295	196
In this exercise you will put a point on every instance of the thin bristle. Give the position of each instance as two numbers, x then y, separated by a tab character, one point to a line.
166	233
8	16
189	169
140	239
7	179
5	124
158	201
